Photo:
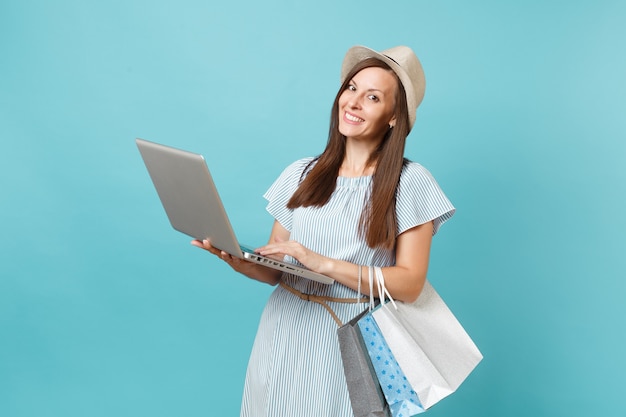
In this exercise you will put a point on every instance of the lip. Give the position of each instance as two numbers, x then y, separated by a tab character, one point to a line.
351	118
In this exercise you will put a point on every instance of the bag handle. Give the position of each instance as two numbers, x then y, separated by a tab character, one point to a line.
370	281
382	290
375	272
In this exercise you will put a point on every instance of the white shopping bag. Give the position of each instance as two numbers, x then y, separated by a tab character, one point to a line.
430	345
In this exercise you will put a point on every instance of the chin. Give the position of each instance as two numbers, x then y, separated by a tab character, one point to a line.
348	132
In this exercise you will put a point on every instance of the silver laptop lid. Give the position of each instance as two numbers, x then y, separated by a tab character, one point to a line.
188	194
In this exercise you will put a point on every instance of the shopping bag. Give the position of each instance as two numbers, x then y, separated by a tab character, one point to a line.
430	345
366	396
402	399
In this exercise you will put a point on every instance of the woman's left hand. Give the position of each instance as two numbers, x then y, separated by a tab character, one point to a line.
278	249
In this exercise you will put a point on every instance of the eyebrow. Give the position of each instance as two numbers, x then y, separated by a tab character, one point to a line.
370	89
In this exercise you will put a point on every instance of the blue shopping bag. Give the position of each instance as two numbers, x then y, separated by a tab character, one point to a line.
402	399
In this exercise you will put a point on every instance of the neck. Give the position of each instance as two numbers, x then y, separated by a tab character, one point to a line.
356	162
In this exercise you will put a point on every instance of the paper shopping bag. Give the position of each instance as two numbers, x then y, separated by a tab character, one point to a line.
366	396
402	399
429	344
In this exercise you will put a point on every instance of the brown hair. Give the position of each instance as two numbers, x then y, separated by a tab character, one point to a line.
378	222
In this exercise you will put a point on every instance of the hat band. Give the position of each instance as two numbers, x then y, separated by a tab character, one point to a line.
392	59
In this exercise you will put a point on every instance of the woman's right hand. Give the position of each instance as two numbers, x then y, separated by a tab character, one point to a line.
247	268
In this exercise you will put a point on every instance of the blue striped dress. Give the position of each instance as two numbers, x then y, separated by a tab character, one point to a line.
295	367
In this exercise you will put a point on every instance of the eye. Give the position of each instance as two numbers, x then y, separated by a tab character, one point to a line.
373	98
351	87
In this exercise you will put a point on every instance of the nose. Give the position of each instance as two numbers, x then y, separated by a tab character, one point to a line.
354	101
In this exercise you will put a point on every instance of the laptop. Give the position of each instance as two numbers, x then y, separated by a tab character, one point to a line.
194	207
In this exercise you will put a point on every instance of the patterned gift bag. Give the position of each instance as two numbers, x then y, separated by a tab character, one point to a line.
402	399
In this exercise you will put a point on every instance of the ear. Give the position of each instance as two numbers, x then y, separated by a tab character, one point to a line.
392	122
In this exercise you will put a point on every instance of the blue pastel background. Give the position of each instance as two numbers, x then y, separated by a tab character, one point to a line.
106	311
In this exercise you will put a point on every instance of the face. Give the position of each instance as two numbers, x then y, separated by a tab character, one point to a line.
366	106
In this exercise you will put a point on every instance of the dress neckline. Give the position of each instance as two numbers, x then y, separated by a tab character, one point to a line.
354	181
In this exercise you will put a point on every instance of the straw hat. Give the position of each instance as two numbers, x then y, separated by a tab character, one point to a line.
403	62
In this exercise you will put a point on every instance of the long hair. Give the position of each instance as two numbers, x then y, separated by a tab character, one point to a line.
378	223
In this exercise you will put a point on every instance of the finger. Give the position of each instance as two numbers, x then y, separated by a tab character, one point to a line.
199	243
227	257
208	246
273	250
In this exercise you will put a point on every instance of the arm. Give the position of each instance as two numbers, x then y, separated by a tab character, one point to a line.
247	268
404	280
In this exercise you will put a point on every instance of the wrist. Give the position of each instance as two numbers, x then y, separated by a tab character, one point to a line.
326	266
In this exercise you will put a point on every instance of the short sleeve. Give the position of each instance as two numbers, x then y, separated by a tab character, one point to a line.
420	199
282	189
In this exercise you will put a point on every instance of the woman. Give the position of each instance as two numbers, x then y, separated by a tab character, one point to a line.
359	203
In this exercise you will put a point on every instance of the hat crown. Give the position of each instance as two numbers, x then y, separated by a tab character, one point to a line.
403	62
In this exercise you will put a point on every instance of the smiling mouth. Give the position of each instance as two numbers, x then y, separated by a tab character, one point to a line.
353	118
